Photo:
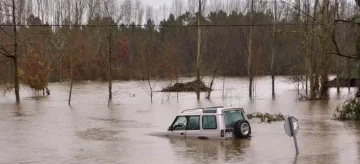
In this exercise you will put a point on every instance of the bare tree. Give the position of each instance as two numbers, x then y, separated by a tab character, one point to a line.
13	56
250	47
273	52
216	5
218	63
93	6
336	16
313	76
164	12
192	4
110	39
235	6
177	7
126	7
139	12
198	57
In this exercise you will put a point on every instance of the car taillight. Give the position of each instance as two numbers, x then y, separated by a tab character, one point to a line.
222	133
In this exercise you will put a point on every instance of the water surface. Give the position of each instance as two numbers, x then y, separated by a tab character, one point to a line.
47	130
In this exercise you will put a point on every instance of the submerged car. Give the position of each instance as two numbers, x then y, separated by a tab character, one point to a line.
211	123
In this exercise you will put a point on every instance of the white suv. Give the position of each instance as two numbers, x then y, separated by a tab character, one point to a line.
211	123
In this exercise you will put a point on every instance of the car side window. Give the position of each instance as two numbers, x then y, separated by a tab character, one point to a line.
180	123
209	122
194	123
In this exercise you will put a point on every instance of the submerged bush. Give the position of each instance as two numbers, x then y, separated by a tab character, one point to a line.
349	110
266	117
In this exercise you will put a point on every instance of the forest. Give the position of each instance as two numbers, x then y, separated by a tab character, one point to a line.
44	41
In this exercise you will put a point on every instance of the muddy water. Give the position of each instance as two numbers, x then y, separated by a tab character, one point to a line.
47	130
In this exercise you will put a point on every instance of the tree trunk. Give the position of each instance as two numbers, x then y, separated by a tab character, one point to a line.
177	80
132	51
273	51
198	58
249	46
15	59
298	81
223	88
110	67
211	84
150	86
313	60
60	68
151	95
307	59
71	78
349	74
70	92
337	75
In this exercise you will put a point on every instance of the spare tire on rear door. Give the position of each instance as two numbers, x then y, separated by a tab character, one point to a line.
242	129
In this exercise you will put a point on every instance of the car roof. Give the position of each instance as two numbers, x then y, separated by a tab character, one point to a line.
208	110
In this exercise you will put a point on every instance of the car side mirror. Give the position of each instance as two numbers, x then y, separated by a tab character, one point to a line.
170	129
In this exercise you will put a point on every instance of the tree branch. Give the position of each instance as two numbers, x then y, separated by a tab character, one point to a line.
3	30
296	8
7	54
32	36
344	21
5	61
342	55
101	42
338	54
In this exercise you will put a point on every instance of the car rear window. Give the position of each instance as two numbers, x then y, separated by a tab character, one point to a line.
231	117
209	122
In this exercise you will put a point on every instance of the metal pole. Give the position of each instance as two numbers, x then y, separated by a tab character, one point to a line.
293	135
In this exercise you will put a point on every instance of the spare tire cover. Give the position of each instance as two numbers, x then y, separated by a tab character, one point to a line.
242	129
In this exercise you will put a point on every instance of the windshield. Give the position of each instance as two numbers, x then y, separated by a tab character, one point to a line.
231	117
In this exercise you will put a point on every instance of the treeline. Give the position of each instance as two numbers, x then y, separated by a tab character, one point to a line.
62	40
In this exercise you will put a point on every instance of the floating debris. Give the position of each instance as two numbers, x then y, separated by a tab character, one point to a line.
111	120
266	117
98	134
186	87
105	119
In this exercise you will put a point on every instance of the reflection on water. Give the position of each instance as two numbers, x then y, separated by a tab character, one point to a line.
46	130
202	151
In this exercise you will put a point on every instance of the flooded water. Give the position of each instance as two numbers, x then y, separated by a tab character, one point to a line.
47	130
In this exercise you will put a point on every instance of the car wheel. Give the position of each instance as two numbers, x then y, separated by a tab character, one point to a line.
242	129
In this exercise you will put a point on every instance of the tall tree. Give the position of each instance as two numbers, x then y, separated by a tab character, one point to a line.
273	52
250	47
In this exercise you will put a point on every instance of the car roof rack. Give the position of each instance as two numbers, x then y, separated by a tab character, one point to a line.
203	109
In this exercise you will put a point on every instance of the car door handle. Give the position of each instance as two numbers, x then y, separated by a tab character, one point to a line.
182	133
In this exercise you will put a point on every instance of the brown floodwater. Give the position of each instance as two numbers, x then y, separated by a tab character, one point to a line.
46	130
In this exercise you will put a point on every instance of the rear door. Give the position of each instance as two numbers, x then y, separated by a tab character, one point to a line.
210	127
178	128
193	127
